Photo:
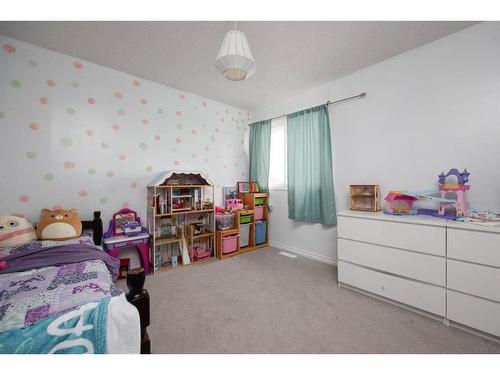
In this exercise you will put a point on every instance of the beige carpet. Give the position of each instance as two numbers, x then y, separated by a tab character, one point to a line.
263	302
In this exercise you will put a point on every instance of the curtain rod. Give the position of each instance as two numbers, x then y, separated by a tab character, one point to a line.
359	96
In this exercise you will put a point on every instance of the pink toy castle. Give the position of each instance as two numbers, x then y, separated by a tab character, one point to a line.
455	192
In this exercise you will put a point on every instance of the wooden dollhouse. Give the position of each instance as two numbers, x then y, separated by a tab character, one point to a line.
364	198
180	219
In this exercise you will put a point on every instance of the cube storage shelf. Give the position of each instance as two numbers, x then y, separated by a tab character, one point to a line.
257	203
181	221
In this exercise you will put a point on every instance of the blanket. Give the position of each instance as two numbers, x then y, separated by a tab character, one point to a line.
38	257
79	331
76	274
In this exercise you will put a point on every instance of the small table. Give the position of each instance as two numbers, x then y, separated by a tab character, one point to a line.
113	246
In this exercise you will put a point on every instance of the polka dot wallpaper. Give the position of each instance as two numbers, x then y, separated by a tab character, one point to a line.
79	135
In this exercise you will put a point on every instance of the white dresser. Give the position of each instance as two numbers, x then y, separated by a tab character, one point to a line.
446	268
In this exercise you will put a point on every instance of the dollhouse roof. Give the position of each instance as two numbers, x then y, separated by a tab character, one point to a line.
391	197
184	178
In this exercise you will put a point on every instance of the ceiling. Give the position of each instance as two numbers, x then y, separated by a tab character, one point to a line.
291	56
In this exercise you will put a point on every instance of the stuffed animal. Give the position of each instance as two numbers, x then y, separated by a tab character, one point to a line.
59	225
15	231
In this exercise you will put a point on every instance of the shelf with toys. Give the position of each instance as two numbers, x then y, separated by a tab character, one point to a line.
180	219
243	225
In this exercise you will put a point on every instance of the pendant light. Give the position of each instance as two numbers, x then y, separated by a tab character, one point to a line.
235	60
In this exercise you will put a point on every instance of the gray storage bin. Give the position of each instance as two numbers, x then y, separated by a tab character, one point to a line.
244	234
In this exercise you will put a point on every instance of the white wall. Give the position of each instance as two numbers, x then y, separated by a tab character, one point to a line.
428	110
101	135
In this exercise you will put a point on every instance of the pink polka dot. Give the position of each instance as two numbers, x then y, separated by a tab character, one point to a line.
133	185
207	148
182	96
118	95
225	166
145	121
177	140
157	137
177	162
57	207
24	198
83	193
89	133
51	83
149	168
44	100
110	173
116	127
216	130
9	48
122	156
91	100
34	126
222	119
77	65
69	165
136	83
193	131
125	205
144	101
204	104
178	113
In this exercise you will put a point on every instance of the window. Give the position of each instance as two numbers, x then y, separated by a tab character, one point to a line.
277	164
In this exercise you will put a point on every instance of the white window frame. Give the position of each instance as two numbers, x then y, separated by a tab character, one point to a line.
277	122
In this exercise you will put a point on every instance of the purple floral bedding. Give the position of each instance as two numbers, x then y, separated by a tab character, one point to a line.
39	293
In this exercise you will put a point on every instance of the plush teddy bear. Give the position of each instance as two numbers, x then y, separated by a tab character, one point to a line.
15	231
59	225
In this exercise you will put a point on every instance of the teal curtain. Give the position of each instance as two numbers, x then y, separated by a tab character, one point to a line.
310	175
260	148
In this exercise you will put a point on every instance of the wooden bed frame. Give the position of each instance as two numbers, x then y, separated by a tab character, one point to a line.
137	295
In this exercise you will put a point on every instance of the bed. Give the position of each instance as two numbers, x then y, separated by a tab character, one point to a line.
60	297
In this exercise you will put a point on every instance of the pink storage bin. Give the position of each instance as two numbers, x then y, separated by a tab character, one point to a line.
230	243
259	212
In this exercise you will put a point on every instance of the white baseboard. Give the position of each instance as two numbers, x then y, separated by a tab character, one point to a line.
304	253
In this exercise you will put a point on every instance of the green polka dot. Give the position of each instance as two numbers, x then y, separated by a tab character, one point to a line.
121	112
179	126
31	155
160	111
15	83
212	138
104	145
74	84
91	170
143	146
32	63
103	200
66	142
2	115
193	155
70	111
49	177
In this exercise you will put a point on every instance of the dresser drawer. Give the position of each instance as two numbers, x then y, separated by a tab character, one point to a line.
474	246
421	238
417	266
423	296
474	312
474	279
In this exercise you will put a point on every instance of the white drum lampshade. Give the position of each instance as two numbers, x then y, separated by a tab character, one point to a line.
235	59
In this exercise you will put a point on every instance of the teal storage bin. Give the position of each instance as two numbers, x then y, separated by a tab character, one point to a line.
260	232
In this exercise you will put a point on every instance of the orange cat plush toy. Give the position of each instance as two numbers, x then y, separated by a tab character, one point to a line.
59	225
